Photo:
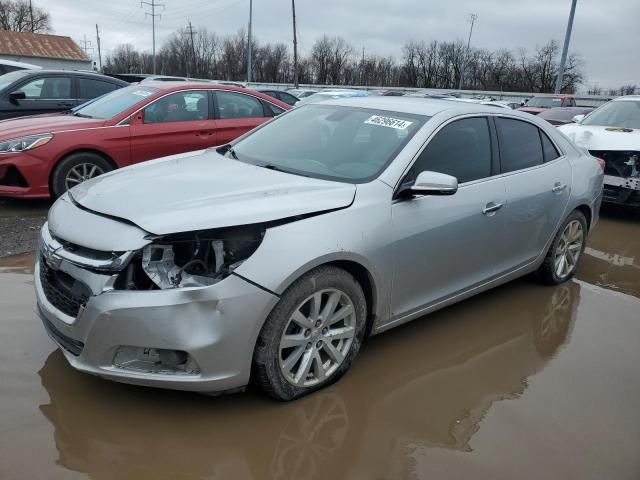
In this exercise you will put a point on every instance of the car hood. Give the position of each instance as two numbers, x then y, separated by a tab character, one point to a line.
602	138
48	123
205	190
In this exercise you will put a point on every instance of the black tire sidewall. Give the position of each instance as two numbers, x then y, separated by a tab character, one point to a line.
266	358
61	170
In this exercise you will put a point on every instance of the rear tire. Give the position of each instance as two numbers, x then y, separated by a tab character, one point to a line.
302	347
75	169
562	259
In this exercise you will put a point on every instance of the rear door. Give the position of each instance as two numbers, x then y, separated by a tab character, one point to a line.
176	123
538	182
237	113
43	94
90	88
444	245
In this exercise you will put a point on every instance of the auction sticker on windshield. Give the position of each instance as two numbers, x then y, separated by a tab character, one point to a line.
388	122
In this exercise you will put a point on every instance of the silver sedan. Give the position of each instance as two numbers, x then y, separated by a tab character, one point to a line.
273	258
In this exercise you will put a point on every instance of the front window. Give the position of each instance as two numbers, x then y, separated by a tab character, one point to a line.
48	88
9	78
179	107
328	141
114	103
621	113
544	102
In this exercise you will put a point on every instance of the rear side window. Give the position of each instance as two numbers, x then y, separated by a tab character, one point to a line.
461	149
520	145
238	105
90	88
549	149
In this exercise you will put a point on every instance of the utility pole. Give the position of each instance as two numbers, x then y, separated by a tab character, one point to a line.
86	44
249	45
193	48
153	16
565	49
362	69
99	51
31	14
295	46
472	18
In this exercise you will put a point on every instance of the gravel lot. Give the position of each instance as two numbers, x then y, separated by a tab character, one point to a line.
20	222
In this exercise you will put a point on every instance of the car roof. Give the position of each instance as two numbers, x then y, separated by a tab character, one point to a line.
415	105
628	98
84	73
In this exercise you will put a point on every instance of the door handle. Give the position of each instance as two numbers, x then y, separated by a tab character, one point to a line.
204	133
558	187
491	208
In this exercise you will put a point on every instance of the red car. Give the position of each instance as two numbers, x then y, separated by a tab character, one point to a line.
42	156
540	103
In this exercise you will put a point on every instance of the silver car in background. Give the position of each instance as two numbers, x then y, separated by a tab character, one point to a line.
271	259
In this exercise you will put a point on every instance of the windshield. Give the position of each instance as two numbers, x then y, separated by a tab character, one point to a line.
116	102
8	78
328	141
544	102
622	113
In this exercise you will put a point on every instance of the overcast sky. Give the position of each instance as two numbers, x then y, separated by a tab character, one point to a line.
605	33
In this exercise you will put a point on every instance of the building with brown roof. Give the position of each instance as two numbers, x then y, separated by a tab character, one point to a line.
46	51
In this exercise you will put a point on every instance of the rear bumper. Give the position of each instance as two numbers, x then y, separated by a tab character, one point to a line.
216	326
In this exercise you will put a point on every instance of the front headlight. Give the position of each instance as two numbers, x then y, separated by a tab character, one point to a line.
25	143
199	259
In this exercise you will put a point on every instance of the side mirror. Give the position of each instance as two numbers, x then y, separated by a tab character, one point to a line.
434	183
15	96
578	118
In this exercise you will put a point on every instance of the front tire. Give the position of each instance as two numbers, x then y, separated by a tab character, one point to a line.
561	261
75	169
312	335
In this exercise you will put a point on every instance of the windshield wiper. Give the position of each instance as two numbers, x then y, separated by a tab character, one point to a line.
276	168
83	115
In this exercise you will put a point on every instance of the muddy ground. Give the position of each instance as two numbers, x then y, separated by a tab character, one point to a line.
20	223
522	382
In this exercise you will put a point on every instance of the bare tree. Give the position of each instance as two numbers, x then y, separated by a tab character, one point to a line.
16	16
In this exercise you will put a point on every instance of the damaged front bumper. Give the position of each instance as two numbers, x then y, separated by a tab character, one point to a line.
197	339
622	176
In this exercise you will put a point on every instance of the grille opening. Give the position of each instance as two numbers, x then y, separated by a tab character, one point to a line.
63	291
11	177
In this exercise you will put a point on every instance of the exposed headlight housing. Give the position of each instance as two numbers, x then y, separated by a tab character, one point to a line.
195	259
23	144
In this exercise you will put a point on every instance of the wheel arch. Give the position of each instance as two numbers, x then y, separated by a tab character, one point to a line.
586	211
66	154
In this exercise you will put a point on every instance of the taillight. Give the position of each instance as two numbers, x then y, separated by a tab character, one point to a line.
601	162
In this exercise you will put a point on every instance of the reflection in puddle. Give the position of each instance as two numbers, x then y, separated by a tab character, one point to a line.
429	383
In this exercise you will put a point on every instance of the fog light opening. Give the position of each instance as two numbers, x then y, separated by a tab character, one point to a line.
155	360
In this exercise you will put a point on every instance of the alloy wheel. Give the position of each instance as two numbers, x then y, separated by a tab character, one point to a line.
317	337
569	249
81	173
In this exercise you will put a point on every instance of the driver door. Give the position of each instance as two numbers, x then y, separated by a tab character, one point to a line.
176	123
444	245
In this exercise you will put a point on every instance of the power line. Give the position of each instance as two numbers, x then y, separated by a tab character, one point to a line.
153	16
